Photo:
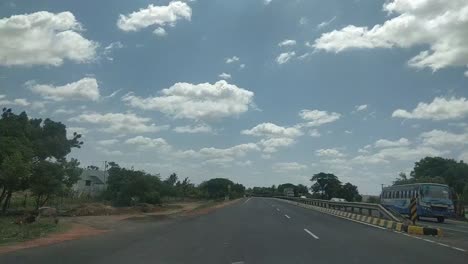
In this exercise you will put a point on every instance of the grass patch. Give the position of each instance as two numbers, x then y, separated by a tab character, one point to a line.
13	233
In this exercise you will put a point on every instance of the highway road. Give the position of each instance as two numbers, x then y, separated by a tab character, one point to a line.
253	230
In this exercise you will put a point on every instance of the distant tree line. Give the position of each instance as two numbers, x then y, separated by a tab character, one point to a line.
324	186
128	187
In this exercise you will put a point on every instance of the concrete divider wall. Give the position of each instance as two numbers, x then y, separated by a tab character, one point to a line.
388	224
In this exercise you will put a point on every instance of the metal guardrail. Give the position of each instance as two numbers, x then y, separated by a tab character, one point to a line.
363	208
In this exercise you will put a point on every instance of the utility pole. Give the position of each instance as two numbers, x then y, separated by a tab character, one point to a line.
382	186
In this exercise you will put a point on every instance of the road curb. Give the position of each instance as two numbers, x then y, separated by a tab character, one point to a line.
387	224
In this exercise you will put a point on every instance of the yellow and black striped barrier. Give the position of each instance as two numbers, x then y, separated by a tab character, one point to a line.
413	211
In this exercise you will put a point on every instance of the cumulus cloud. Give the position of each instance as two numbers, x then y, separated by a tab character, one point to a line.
288	166
441	25
285	57
146	143
43	38
218	156
14	102
316	118
384	143
361	107
193	129
225	76
439	109
155	16
271	130
84	89
127	123
271	145
203	101
329	153
439	138
160	32
232	59
287	43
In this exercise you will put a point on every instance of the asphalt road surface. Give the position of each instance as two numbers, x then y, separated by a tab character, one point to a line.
255	230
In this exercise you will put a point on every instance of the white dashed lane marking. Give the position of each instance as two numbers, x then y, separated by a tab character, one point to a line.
310	233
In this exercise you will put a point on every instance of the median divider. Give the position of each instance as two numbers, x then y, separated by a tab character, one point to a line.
395	225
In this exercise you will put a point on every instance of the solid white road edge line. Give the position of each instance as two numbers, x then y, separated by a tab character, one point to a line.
287	216
310	233
247	200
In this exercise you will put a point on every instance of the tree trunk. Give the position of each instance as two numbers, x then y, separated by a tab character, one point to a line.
6	202
2	196
25	199
38	201
45	201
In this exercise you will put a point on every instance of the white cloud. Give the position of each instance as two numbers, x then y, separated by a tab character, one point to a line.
14	102
119	123
348	132
203	101
439	109
155	15
384	143
43	38
114	45
160	32
267	2
271	145
466	74
146	143
288	166
285	57
314	133
232	59
225	76
193	129
84	89
439	138
330	153
242	66
218	156
287	43
317	117
326	23
441	25
361	107
108	142
63	111
271	130
407	154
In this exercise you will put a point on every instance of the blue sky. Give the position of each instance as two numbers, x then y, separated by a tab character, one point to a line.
261	92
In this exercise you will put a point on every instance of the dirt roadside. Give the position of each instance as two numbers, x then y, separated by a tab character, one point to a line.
85	226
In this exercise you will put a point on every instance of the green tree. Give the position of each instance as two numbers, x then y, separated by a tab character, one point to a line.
216	188
301	190
15	175
126	187
326	185
350	193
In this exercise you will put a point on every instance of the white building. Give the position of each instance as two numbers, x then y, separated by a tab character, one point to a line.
91	182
